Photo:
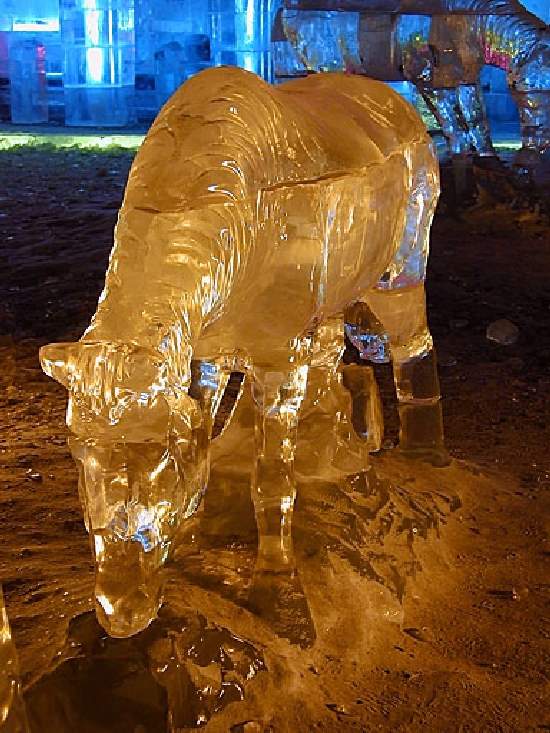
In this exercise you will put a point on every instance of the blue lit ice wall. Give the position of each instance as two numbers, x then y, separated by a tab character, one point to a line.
177	38
172	44
99	61
27	71
106	62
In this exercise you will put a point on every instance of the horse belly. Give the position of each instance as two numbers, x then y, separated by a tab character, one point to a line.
368	218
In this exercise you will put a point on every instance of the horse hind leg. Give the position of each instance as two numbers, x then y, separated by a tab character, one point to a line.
445	106
397	320
393	320
470	98
334	431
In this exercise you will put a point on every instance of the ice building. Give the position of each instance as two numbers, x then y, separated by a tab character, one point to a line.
114	62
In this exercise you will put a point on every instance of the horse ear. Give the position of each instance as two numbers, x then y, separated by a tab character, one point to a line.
56	361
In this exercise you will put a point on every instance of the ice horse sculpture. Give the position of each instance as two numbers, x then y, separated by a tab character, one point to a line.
254	217
438	45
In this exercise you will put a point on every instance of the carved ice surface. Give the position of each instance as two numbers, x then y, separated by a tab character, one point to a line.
12	712
441	47
257	220
173	678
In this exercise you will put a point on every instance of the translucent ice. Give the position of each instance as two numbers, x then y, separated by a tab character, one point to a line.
240	34
175	678
12	712
439	46
257	220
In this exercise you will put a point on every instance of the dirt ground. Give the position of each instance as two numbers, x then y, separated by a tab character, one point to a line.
472	650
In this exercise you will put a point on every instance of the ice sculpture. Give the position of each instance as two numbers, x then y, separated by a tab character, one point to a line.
256	221
13	718
440	46
99	68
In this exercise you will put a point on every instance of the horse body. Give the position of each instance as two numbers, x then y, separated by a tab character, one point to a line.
253	218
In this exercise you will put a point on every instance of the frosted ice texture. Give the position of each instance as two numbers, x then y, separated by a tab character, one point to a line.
439	46
257	222
13	718
172	43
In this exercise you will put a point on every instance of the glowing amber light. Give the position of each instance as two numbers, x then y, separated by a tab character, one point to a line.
258	223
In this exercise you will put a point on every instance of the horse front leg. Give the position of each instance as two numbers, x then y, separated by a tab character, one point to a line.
337	425
445	106
277	398
209	378
472	107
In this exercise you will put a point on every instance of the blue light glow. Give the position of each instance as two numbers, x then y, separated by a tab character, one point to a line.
94	65
32	16
33	26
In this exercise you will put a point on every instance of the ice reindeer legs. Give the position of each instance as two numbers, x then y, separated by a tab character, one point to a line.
253	217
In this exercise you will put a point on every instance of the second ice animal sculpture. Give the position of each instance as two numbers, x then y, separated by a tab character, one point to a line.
438	45
254	216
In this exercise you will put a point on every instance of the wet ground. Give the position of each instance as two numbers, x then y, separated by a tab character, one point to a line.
442	629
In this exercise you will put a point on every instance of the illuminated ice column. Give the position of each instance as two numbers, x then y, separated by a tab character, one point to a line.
99	69
12	712
241	34
28	86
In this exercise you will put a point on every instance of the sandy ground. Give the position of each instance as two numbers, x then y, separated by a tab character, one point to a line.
471	647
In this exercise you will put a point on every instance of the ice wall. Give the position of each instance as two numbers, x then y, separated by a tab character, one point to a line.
111	48
241	34
29	51
176	39
34	16
172	44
